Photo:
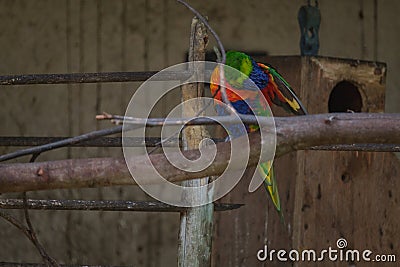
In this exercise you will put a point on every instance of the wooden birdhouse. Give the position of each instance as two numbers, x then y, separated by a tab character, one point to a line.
326	195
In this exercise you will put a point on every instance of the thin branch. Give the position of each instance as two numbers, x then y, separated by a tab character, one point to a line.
64	142
27	232
17	224
176	134
205	22
293	133
192	121
223	55
158	122
154	122
48	260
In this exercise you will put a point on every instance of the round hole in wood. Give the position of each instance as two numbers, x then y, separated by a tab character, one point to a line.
345	97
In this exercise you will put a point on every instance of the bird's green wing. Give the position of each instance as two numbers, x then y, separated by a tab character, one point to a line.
284	95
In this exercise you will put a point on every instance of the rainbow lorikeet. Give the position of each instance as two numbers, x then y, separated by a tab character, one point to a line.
243	90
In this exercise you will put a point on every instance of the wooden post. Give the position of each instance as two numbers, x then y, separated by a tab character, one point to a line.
195	233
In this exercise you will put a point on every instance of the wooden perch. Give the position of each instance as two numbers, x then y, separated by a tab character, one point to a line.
301	133
293	133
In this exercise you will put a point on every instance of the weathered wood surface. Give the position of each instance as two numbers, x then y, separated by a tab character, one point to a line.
195	233
349	195
84	37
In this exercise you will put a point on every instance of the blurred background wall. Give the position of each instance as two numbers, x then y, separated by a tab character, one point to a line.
47	36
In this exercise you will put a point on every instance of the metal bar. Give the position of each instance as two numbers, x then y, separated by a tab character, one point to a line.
95	77
17	264
155	141
103	205
360	147
63	143
38	141
99	142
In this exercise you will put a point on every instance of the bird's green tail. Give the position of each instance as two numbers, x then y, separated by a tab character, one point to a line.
270	184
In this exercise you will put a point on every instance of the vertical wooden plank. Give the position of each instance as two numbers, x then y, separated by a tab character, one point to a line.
72	33
196	223
239	234
83	46
28	34
25	42
283	236
387	50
